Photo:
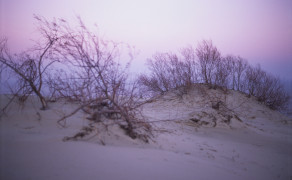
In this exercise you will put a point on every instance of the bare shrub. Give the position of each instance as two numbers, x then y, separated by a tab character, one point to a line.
222	73
266	87
239	69
253	79
208	58
272	93
160	78
29	68
236	68
170	71
96	77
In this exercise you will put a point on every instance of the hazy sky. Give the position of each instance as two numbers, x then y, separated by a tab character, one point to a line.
258	30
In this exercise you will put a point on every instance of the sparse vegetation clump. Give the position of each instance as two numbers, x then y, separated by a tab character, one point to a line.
205	64
169	71
30	68
90	74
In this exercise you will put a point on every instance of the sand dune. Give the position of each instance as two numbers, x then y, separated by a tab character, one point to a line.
193	139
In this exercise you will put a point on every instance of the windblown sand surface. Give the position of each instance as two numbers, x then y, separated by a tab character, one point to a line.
241	139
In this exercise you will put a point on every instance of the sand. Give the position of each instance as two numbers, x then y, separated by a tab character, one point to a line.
258	146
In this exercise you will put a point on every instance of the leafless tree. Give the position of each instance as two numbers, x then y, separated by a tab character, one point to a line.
97	80
190	65
240	67
266	87
230	60
236	68
222	73
253	79
208	57
271	92
170	71
29	67
159	79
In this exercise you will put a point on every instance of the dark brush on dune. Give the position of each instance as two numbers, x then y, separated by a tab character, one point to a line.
89	74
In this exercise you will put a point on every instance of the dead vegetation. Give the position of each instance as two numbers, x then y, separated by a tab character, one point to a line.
95	78
205	64
93	73
217	111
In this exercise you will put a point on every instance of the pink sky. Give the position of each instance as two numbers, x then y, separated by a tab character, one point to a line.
258	30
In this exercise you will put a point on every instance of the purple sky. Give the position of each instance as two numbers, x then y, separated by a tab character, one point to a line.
258	30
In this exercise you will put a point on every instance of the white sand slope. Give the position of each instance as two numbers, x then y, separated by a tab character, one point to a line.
256	143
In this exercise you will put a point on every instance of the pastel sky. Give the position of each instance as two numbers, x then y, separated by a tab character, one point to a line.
258	30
